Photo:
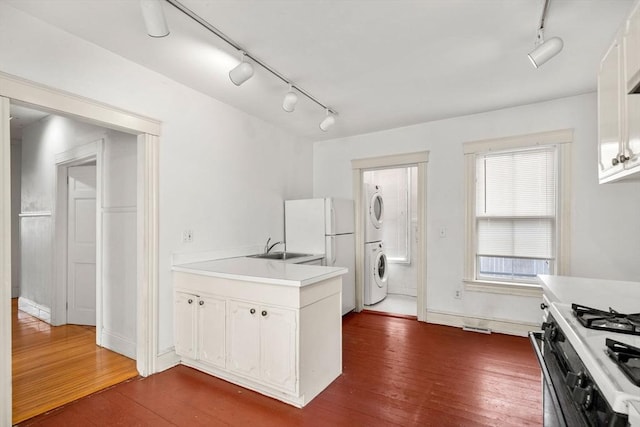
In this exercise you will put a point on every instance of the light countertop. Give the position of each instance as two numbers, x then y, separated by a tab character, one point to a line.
262	271
622	296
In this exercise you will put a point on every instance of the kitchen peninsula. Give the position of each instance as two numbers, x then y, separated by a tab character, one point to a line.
270	326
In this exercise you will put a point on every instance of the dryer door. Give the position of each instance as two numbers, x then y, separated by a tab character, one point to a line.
376	209
380	271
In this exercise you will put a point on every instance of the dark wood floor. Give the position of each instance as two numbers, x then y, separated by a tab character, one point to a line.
397	372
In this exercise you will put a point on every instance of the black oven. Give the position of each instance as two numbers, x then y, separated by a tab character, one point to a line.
570	397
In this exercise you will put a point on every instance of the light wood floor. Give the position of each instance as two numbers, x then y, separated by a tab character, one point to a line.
396	372
55	365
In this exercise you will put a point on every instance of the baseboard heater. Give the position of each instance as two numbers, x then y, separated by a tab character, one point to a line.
475	329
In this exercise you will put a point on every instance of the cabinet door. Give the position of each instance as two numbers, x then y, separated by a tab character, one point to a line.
278	347
609	112
185	324
211	330
243	338
632	49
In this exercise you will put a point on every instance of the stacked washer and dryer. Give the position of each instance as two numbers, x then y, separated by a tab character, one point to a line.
375	261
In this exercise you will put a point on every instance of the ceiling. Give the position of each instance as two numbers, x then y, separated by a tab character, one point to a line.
380	64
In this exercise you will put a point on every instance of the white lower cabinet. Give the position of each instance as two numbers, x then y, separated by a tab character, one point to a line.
262	341
281	341
200	328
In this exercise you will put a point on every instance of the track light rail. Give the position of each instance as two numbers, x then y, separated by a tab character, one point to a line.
191	14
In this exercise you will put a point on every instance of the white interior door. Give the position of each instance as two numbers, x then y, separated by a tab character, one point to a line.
81	246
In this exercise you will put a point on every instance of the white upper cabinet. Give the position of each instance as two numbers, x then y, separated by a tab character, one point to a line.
609	112
632	49
618	110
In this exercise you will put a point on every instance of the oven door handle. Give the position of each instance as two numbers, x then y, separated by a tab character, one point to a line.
535	338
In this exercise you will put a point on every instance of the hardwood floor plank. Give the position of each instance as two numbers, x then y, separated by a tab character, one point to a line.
397	372
55	365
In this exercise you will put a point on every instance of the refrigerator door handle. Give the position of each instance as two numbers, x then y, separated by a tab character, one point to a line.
333	220
333	250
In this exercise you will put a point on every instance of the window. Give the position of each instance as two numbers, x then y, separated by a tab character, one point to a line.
515	208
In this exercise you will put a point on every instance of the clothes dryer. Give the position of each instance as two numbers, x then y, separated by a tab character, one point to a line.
375	213
376	273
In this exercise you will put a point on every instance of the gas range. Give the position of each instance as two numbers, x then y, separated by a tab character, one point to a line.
591	347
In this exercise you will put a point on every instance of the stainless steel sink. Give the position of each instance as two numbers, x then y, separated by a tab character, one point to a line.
280	255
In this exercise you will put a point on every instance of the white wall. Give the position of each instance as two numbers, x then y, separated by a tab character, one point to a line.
223	173
605	228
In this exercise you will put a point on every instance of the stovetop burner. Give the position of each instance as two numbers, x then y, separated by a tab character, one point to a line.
626	357
607	320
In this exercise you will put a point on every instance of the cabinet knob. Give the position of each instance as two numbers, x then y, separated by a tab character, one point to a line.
623	158
201	302
252	311
190	301
615	161
543	306
264	312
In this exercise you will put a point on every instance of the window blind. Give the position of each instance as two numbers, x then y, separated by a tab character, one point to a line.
516	203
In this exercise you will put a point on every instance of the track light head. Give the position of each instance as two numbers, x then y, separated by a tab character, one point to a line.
545	51
290	100
154	18
328	121
242	72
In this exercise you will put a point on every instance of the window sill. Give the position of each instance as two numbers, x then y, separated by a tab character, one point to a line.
517	289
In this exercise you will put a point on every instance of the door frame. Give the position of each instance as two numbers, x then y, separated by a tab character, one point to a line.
21	91
65	160
359	166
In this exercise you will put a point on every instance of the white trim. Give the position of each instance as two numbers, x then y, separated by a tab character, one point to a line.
28	93
5	265
34	214
562	139
403	159
420	160
64	160
520	329
520	289
519	141
118	209
167	360
147	254
55	100
36	310
118	343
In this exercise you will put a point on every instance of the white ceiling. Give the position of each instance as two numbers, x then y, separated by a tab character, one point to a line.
380	63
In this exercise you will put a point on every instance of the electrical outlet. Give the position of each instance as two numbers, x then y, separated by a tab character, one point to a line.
458	294
187	236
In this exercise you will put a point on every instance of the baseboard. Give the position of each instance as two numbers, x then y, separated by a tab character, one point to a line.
494	325
166	361
118	344
36	310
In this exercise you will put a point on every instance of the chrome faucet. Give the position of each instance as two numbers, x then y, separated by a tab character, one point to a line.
268	248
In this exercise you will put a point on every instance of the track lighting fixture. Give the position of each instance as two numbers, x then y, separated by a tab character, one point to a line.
544	50
157	27
242	72
328	121
154	18
290	100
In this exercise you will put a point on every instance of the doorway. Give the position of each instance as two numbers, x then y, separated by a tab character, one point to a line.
398	232
360	166
23	92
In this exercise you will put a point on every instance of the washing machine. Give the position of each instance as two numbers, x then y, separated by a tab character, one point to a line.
376	273
375	213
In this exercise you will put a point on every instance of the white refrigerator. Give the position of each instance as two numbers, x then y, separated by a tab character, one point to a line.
324	226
